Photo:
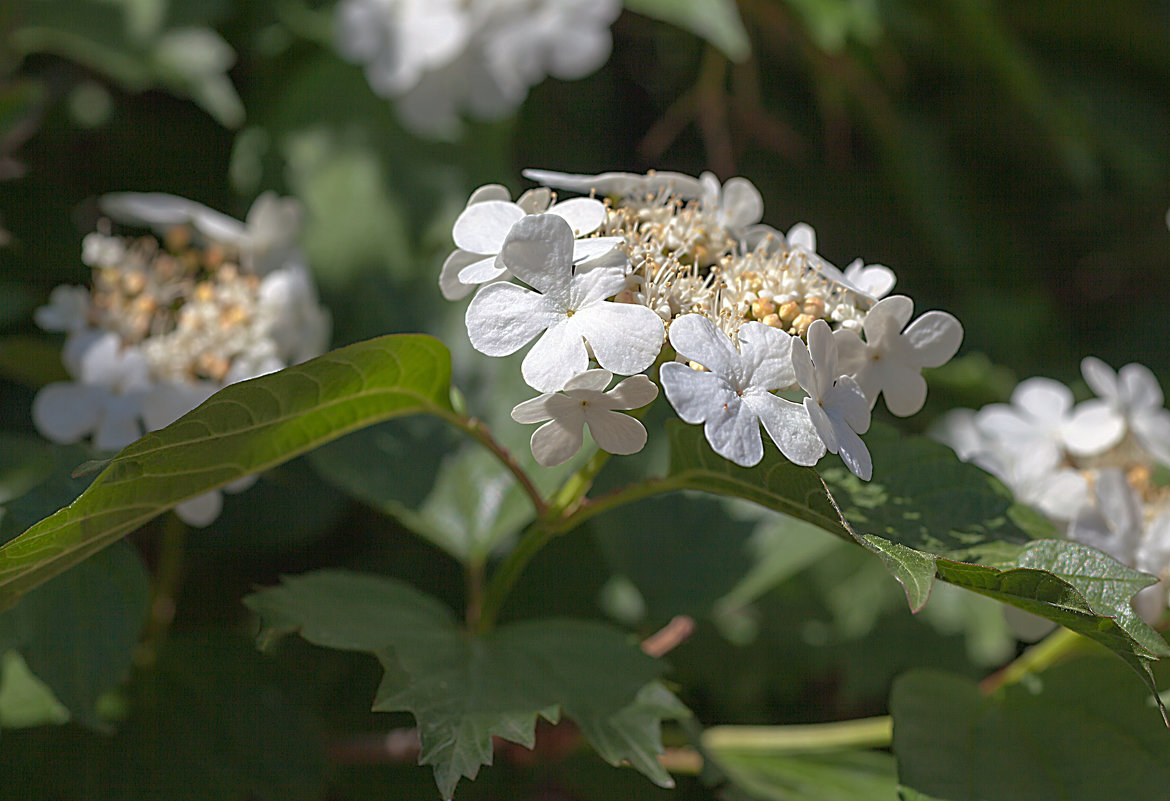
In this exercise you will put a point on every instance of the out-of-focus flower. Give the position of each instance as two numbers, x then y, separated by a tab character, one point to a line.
167	323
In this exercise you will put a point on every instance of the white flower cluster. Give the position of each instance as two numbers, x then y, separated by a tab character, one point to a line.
165	324
1090	467
438	58
761	329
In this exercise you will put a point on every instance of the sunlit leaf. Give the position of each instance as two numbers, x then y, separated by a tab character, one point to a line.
244	428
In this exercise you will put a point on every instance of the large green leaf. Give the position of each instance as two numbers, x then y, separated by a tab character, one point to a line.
464	690
1079	730
925	514
840	775
244	428
78	632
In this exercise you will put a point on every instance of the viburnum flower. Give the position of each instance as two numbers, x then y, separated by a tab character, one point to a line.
733	394
167	323
835	403
736	204
480	230
1035	421
582	402
567	309
890	360
1130	399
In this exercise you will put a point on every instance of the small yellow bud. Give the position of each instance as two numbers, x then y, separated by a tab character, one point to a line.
177	238
788	311
801	323
772	321
762	307
814	307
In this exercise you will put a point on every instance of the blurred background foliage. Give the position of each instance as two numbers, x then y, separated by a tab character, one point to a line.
1009	160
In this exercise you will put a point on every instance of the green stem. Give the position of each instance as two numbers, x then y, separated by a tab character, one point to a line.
535	537
590	507
863	733
167	575
478	431
1041	656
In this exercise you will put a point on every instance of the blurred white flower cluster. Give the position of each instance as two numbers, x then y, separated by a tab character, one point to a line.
761	330
168	321
1090	467
440	58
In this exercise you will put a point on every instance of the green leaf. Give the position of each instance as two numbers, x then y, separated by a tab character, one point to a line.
78	632
464	690
244	428
717	21
1078	730
926	514
25	700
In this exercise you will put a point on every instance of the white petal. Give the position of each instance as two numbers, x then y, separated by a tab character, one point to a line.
449	283
533	410
633	393
694	394
802	237
584	215
481	271
1094	427
935	337
733	431
850	403
903	387
535	201
119	424
886	319
854	454
1043	398
166	403
875	280
202	510
625	338
482	227
241	484
556	357
766	355
615	432
539	251
595	380
490	192
1101	379
596	280
823	350
557	441
502	318
802	367
789	426
696	338
65	411
1139	387
1153	432
822	423
742	203
585	250
852	357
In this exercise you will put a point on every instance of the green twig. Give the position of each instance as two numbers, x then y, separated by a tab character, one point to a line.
863	733
167	576
1052	649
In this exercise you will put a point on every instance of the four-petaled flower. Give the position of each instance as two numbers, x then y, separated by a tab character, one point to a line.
1130	399
568	309
890	360
733	395
480	230
584	402
837	406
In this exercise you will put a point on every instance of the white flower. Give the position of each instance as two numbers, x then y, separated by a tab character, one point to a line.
837	406
266	239
732	396
890	360
875	280
400	40
736	205
67	310
568	309
620	184
584	401
1035	422
480	230
105	400
1128	399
